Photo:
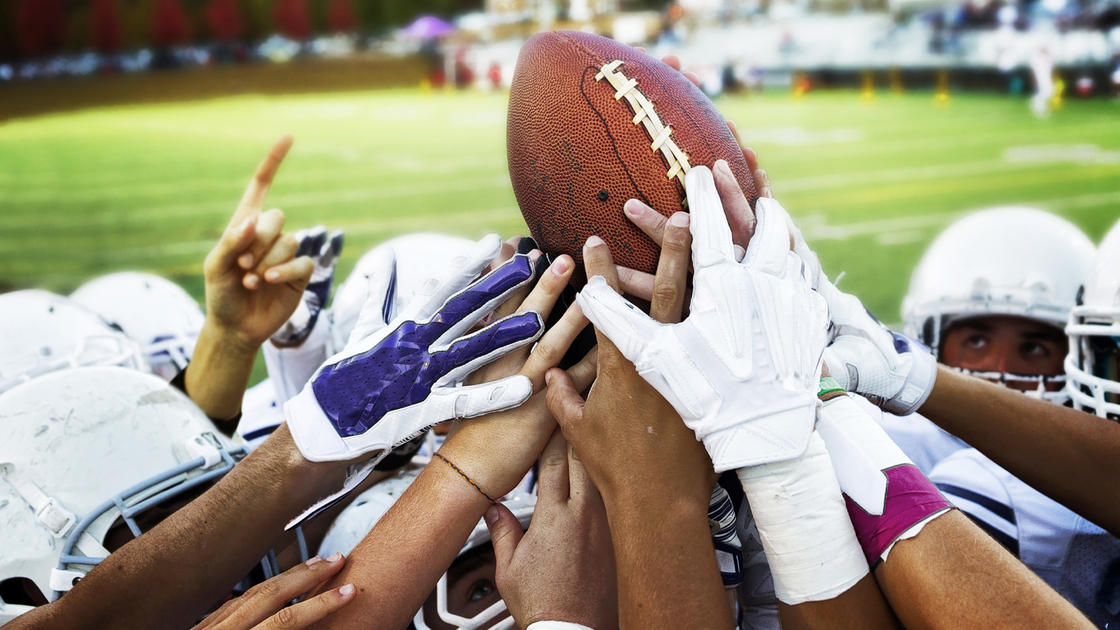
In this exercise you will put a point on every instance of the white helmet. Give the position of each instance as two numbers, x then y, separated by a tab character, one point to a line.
1093	363
360	517
1012	261
419	257
82	450
41	332
153	311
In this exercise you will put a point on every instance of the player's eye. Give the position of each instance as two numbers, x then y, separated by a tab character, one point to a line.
481	590
1034	350
976	342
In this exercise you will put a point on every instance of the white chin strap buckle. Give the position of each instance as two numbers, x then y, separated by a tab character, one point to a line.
48	511
63	580
203	445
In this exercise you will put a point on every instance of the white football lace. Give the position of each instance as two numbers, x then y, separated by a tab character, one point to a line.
660	133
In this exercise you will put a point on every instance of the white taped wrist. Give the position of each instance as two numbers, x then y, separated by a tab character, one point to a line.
804	526
556	625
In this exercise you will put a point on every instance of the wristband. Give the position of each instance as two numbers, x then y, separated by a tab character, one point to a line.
829	385
804	526
909	501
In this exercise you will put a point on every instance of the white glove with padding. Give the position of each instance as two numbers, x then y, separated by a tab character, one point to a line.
742	370
891	370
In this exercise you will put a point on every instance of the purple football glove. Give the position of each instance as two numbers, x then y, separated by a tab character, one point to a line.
393	381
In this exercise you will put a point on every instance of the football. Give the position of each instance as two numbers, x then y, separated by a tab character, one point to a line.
593	123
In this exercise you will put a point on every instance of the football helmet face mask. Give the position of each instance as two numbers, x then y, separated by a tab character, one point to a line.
41	332
1012	261
1093	363
153	311
419	257
87	452
449	609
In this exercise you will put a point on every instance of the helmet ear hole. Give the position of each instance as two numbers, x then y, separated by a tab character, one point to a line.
20	591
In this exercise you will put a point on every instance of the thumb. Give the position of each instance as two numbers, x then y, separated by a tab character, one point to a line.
505	534
564	403
232	243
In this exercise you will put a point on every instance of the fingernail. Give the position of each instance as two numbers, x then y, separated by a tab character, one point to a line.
313	561
633	208
252	281
246	261
561	265
272	275
346	591
334	557
679	219
722	166
594	241
244	225
548	377
491	515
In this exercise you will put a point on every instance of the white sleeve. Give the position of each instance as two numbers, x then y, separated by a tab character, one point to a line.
556	625
971	482
289	369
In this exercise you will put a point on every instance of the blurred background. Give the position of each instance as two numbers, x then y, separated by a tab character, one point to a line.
129	128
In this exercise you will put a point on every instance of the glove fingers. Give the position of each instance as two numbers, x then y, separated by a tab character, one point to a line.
768	250
459	274
378	307
332	249
466	308
470	353
626	326
470	401
711	236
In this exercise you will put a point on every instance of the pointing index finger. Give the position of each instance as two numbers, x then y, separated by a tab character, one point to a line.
253	199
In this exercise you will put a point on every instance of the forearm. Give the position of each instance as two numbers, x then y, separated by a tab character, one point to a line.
860	607
420	535
219	371
187	563
1021	434
662	542
951	575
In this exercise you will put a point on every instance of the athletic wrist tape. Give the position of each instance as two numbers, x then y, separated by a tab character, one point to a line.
804	526
911	500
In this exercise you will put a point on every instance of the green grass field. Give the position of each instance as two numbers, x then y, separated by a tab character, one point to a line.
871	183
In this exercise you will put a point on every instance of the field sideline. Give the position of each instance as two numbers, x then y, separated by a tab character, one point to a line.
871	183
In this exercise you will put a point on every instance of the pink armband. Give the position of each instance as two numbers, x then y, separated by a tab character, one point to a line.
910	503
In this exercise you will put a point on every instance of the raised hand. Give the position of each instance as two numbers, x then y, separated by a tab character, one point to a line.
254	282
562	568
742	369
392	381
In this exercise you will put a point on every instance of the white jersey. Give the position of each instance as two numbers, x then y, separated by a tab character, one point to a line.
1080	560
925	443
261	414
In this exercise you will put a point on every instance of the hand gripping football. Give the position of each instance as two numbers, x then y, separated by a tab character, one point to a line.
592	123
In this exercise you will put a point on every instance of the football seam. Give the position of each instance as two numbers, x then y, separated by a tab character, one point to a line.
596	59
645	114
607	130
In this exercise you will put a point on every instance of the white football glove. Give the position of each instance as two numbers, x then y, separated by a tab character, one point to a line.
742	370
891	370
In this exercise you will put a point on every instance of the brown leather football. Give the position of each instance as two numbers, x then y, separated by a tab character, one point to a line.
593	123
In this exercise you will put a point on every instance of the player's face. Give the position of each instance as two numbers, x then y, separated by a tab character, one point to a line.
471	589
1011	345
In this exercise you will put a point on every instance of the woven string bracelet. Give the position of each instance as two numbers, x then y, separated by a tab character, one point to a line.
464	476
